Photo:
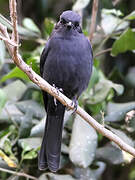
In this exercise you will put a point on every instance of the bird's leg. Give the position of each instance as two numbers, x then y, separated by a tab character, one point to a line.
74	103
58	90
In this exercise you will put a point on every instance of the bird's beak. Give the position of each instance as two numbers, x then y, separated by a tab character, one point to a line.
69	24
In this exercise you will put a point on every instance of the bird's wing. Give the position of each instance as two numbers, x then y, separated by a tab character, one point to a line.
42	62
90	46
43	58
46	50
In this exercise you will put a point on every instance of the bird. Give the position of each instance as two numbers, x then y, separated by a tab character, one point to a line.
65	63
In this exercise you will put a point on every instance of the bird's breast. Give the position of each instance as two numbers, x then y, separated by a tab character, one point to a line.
68	64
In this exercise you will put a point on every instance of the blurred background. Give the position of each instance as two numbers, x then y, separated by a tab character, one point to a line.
110	97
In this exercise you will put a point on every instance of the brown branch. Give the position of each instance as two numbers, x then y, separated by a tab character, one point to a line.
102	52
8	41
18	173
67	102
4	32
13	16
93	19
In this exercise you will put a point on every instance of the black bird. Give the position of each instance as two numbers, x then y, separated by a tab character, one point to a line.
66	63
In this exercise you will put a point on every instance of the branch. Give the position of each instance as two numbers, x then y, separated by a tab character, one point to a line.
8	41
102	52
3	30
93	19
13	16
44	85
18	173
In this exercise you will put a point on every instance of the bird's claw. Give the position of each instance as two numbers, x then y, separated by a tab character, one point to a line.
58	90
74	104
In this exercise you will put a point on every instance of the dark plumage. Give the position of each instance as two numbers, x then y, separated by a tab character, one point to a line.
66	62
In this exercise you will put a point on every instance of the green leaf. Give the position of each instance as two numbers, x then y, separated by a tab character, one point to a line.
15	114
94	78
30	155
112	11
15	73
130	125
8	147
84	174
3	139
124	43
117	111
101	166
111	22
8	150
130	81
3	99
83	143
97	108
2	52
34	63
38	129
131	16
54	176
7	159
79	5
26	125
30	25
122	135
110	154
21	30
30	105
6	144
30	143
49	25
118	87
15	90
24	145
102	90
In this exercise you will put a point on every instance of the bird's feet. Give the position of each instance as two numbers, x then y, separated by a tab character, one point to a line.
58	90
74	103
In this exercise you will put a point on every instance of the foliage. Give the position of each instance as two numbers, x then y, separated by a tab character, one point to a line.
85	153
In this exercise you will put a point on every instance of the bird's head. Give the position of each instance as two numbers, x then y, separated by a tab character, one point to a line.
70	20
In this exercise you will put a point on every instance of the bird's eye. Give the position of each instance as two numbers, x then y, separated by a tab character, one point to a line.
76	24
63	21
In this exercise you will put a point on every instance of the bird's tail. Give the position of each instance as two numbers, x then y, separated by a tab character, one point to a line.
49	155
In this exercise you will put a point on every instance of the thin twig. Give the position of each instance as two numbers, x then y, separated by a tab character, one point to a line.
13	16
102	52
18	173
8	41
93	19
4	32
44	85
